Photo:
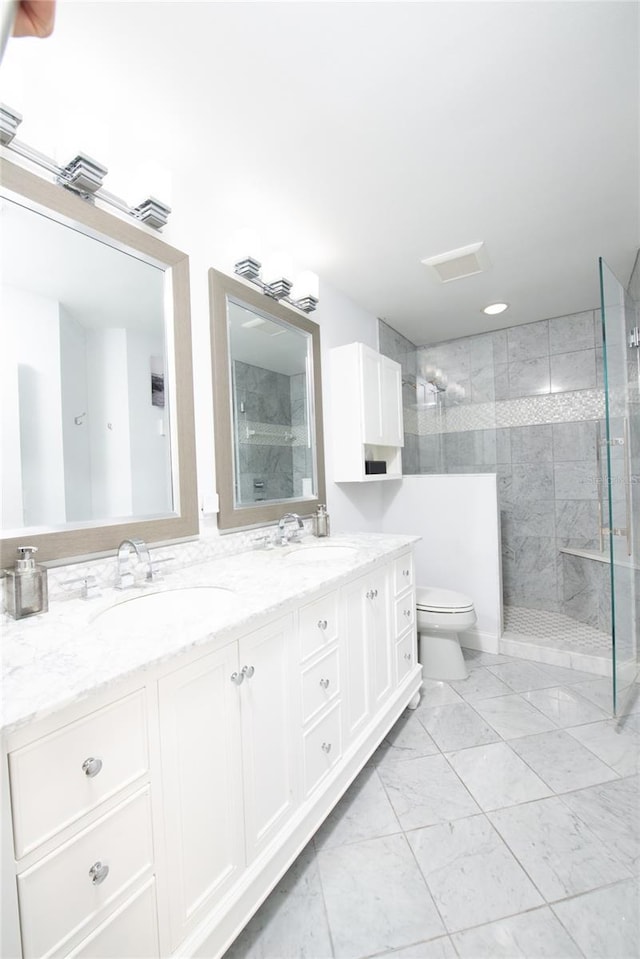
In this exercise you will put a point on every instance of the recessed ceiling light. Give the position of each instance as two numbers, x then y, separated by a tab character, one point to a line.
494	308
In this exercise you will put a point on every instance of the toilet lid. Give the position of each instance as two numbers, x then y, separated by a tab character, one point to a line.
433	599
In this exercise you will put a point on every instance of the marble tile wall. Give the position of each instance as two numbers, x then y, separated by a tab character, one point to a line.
528	406
266	468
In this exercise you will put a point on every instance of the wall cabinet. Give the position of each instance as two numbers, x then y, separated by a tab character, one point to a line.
366	411
177	805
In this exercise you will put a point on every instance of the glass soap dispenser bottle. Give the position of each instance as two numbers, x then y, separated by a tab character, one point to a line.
25	586
321	526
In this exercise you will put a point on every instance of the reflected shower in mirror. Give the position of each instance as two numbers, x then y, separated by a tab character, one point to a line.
269	452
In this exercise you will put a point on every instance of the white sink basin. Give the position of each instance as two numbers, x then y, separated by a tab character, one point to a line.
331	553
171	607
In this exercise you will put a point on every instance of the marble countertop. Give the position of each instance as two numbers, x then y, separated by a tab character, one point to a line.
62	656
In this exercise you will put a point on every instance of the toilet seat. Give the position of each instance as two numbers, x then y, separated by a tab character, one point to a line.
431	599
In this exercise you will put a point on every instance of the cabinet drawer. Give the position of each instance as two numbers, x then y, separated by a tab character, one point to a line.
320	685
57	779
131	931
405	656
318	625
322	749
403	573
64	892
405	613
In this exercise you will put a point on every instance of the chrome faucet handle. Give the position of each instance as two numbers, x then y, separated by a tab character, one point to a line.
89	587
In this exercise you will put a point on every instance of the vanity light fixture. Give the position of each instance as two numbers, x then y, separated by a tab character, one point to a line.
494	308
83	175
273	278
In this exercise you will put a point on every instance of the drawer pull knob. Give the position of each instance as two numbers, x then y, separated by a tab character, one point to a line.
407	612
237	678
405	572
326	747
91	767
98	872
324	683
322	624
371	593
407	656
248	671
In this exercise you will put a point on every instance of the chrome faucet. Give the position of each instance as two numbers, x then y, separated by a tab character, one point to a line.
282	532
140	548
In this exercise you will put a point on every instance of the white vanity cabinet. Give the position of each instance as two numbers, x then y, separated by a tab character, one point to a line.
228	772
151	820
366	411
404	616
82	830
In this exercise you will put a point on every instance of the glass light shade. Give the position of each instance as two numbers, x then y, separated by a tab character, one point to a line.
245	244
276	266
306	284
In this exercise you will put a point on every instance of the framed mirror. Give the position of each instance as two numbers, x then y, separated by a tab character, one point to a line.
96	420
267	406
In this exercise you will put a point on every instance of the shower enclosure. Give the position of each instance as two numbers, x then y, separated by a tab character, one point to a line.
553	408
619	492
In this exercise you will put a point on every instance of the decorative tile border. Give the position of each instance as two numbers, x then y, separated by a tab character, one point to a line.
524	411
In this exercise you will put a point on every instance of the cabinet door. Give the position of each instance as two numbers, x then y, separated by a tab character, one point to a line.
379	636
371	396
271	722
354	656
391	403
201	782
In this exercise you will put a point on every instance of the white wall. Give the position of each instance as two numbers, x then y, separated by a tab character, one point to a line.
457	517
75	403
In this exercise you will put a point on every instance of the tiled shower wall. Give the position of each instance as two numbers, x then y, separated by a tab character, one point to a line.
525	403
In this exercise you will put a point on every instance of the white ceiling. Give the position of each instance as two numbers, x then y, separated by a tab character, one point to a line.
366	136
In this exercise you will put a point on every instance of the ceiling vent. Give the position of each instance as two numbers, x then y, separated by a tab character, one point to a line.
466	261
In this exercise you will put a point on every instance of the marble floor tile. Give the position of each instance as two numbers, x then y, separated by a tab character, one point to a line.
561	761
364	812
435	692
496	776
564	676
426	791
561	855
521	676
441	948
456	726
605	922
564	706
511	716
612	812
408	739
292	922
477	657
614	743
376	897
598	691
480	684
532	935
472	875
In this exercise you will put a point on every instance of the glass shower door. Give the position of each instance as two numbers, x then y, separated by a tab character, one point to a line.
621	494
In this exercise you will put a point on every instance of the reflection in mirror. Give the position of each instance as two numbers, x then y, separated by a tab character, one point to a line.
96	377
83	364
269	456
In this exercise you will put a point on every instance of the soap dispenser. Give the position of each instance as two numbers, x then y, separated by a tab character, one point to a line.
25	586
321	525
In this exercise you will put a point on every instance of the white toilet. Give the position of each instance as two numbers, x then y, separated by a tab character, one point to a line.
441	615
